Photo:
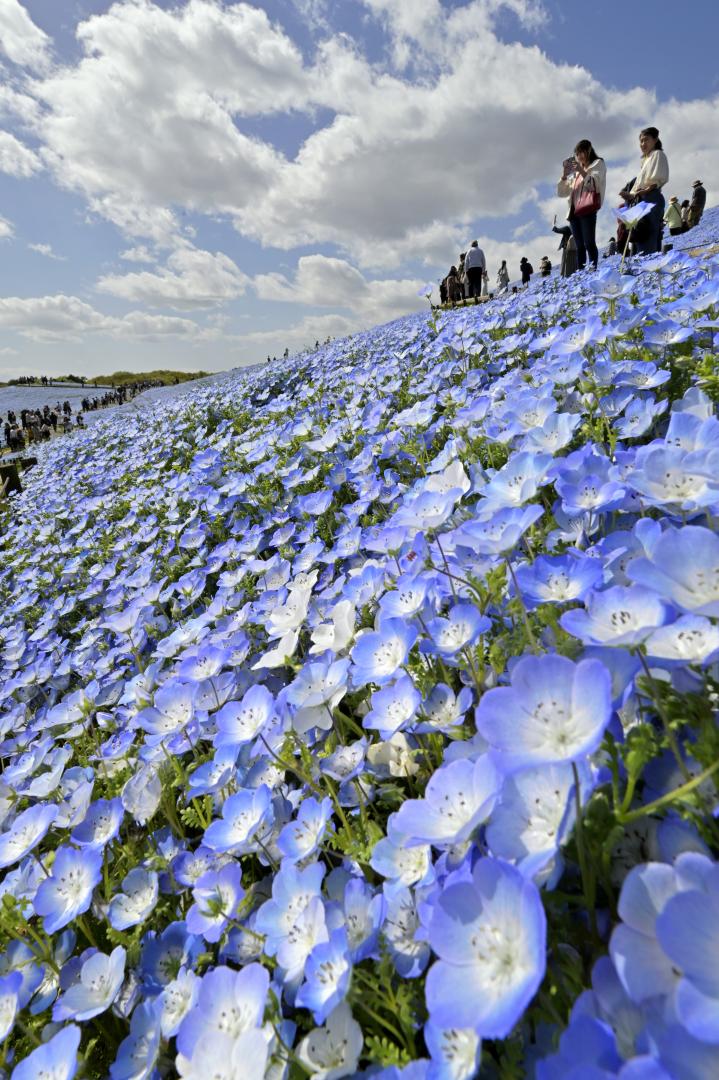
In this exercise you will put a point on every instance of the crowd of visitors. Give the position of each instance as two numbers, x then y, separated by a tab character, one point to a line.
37	425
583	184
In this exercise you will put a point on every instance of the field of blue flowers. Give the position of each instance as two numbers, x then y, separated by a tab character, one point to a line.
358	712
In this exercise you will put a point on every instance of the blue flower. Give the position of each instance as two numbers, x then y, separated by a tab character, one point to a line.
617	616
56	1059
455	1052
300	838
10	986
217	895
242	815
554	711
67	891
228	1003
460	630
138	1052
327	976
240	722
136	901
378	654
683	568
458	798
101	977
393	707
25	833
489	933
100	825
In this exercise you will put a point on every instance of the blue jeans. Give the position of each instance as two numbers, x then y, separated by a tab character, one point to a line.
584	231
650	236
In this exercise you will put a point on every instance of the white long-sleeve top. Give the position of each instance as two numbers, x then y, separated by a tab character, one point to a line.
654	170
475	257
569	184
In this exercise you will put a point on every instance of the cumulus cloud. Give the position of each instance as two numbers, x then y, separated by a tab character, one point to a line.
21	40
46	250
51	319
6	229
190	279
321	281
16	159
140	254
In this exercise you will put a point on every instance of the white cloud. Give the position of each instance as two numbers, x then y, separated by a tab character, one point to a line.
46	250
190	279
140	254
60	318
6	229
21	40
321	281
16	159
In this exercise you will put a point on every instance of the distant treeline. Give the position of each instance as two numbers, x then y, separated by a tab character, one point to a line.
126	378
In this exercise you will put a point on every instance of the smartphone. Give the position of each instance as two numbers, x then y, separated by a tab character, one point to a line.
569	164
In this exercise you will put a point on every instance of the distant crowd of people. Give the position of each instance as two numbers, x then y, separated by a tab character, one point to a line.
583	183
38	425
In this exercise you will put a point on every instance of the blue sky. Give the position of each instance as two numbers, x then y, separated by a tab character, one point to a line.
196	185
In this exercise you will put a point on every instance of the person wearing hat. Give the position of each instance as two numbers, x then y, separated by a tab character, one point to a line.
673	216
696	208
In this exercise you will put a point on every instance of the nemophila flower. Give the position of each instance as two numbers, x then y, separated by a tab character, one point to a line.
500	534
460	630
142	793
516	482
587	1047
455	1052
224	1058
138	1052
670	476
217	895
346	762
490	936
229	1003
378	654
242	816
239	722
137	900
327	976
9	990
100	825
557	579
393	707
683	568
402	934
25	833
164	955
687	930
336	634
172	710
176	1000
56	1059
292	890
692	639
67	891
632	215
398	863
301	837
457	799
214	775
553	711
616	616
316	690
362	915
408	598
638	417
333	1050
667	332
534	815
101	977
443	709
278	655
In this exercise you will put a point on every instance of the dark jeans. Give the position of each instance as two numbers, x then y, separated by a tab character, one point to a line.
584	231
474	281
649	239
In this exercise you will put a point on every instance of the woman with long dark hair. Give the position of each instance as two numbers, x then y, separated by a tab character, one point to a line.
583	182
653	175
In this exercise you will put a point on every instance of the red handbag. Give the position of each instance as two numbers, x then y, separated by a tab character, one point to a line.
588	200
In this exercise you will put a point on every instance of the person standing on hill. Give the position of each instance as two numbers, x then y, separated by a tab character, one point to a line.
673	217
526	269
503	277
475	265
653	175
583	183
699	201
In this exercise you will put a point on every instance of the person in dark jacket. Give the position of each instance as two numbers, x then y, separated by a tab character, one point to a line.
526	270
699	200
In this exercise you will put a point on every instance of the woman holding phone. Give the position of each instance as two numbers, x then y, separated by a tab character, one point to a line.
583	183
653	175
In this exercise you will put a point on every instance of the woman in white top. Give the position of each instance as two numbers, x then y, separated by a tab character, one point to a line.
583	182
653	175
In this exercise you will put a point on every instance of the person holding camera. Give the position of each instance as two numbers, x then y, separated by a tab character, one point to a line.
653	175
583	183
